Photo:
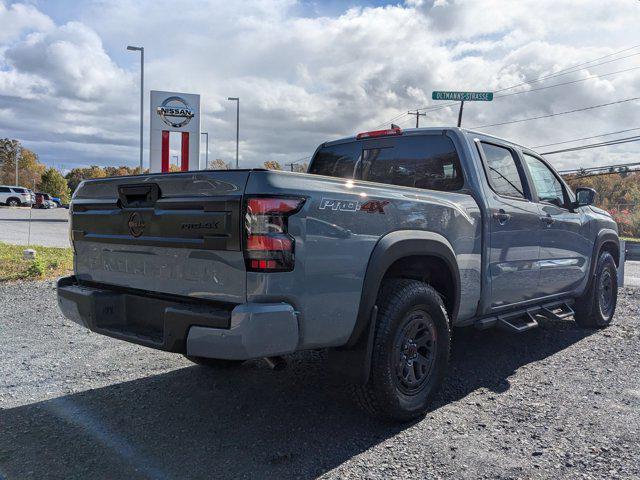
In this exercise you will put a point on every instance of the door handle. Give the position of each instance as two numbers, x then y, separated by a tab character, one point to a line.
501	216
548	220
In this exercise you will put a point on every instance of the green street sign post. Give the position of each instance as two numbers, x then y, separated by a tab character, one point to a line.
462	97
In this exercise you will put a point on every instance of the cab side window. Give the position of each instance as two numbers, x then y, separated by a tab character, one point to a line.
547	185
502	171
420	161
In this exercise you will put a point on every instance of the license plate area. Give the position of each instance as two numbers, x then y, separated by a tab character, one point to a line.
130	316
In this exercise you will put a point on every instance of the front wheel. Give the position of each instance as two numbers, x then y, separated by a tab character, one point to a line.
410	351
12	202
596	307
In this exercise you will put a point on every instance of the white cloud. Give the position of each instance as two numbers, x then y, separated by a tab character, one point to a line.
17	18
303	80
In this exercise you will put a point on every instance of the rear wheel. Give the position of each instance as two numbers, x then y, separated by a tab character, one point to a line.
410	351
595	309
214	362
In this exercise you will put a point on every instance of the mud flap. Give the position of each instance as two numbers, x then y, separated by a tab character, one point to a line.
354	364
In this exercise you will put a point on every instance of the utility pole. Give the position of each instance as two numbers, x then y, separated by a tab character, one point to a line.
418	115
237	100
460	113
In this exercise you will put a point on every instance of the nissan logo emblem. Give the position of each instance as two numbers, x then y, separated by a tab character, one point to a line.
136	224
175	112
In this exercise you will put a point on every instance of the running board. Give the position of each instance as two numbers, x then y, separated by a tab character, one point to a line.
558	312
517	322
526	319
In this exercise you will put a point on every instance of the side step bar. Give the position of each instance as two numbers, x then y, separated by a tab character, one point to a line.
517	323
522	320
559	312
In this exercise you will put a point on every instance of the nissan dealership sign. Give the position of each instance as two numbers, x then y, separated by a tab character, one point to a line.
175	112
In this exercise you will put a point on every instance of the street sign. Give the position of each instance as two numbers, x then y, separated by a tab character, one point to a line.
463	96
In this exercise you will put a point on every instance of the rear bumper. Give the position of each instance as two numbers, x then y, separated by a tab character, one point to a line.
240	332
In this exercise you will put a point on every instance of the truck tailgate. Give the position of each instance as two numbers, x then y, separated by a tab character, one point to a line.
177	233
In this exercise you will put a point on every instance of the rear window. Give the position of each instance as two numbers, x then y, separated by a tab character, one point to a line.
337	160
421	161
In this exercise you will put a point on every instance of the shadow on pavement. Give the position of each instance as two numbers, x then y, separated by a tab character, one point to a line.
249	422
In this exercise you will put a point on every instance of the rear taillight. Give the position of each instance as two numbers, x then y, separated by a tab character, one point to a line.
268	245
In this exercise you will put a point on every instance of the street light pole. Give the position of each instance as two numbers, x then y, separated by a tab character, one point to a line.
237	100
206	153
141	50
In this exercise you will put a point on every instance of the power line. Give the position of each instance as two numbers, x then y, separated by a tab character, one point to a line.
605	167
560	73
555	74
566	83
596	145
587	138
558	113
601	173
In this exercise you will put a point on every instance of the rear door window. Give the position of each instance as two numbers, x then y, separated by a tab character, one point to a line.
502	171
339	160
421	161
5	190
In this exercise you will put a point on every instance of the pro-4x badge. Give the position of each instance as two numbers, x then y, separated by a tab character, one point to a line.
370	206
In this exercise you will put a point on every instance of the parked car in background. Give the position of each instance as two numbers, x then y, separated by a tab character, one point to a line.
44	200
57	201
15	196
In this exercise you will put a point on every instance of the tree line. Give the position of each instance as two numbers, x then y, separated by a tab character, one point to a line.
618	193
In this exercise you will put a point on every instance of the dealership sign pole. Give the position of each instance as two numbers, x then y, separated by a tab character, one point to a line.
462	97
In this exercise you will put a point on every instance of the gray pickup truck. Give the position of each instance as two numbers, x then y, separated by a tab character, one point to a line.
388	242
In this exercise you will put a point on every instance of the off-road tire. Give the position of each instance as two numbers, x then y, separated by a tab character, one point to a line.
591	311
382	396
214	362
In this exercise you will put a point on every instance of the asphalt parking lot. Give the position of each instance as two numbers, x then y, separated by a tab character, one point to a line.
555	402
49	228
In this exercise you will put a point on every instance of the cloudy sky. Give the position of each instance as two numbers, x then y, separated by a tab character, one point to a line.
310	71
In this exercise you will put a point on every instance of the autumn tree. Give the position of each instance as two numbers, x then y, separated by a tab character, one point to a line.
77	175
272	165
53	183
29	167
218	164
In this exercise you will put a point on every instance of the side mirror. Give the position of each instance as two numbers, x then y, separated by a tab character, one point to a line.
584	196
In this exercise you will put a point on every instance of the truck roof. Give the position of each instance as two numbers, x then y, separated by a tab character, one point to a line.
418	131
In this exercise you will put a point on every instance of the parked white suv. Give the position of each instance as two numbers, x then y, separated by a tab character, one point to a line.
15	196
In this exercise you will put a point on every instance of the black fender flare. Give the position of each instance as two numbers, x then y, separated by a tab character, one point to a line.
605	235
355	356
